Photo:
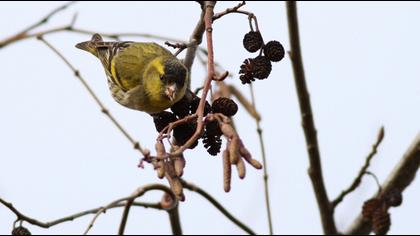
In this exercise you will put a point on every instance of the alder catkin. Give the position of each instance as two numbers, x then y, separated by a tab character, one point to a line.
179	164
161	169
227	171
234	151
174	180
248	158
240	166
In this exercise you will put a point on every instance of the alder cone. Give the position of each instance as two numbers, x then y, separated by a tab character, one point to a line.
381	221
253	41
21	231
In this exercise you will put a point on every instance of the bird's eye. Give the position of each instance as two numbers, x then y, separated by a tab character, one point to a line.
162	77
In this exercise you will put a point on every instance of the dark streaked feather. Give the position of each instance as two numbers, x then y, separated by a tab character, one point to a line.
106	52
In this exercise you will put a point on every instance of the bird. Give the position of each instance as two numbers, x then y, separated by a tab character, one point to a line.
142	76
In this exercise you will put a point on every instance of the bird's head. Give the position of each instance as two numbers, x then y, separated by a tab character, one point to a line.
168	75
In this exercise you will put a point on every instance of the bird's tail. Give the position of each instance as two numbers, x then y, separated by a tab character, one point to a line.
90	46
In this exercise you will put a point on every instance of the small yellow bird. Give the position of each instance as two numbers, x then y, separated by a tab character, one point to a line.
141	76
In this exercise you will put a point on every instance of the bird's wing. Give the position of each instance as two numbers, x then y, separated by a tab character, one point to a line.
106	52
129	65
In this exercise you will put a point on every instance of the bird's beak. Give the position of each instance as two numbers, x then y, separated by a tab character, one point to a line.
171	92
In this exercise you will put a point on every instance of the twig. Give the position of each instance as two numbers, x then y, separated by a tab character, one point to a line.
195	40
125	34
165	133
208	14
229	10
315	170
197	90
136	144
70	28
398	180
236	9
264	159
175	221
376	180
21	217
138	193
124	217
362	171
170	206
48	16
180	46
215	203
24	33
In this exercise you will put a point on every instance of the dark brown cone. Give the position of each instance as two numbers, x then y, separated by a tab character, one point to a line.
226	106
253	41
213	128
261	67
274	51
246	78
213	144
246	72
195	103
181	108
369	207
21	231
184	132
163	119
381	221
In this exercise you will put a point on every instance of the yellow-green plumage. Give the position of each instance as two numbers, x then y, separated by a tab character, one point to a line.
140	74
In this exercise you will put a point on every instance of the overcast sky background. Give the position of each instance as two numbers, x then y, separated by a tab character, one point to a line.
59	155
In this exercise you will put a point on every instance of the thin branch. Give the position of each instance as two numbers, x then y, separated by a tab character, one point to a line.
236	9
125	34
138	193
173	217
22	217
70	28
208	15
195	40
362	171
398	180
215	203
264	159
136	144
229	10
24	33
375	178
175	221
124	217
48	16
192	45
315	170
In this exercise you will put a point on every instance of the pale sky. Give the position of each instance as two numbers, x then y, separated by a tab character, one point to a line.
59	155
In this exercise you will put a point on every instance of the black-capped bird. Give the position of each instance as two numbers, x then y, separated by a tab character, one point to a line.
141	76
